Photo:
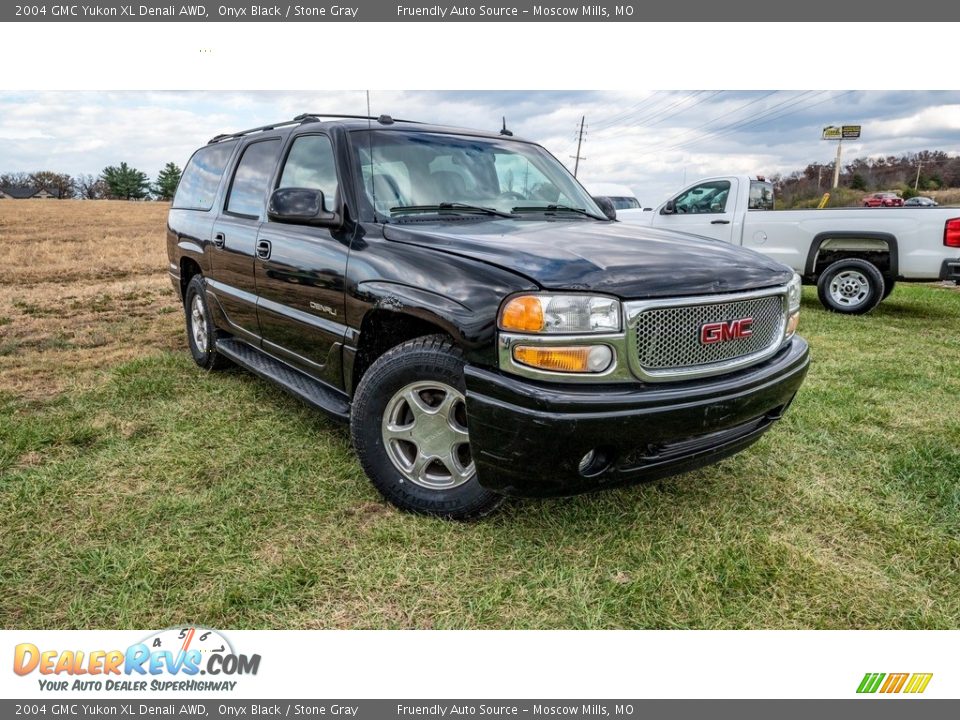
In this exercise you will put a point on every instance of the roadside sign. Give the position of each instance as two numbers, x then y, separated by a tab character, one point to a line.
844	132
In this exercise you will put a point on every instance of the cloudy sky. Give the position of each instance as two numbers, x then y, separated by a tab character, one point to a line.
651	141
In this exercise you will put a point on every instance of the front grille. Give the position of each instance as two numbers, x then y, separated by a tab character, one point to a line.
668	338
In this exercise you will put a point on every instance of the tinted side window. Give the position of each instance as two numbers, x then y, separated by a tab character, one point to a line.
310	164
249	189
199	182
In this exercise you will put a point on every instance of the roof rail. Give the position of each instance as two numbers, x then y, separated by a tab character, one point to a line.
305	118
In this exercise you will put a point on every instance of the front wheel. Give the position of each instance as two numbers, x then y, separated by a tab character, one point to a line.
851	286
409	428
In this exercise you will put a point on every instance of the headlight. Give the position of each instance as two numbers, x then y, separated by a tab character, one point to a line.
560	313
794	289
793	304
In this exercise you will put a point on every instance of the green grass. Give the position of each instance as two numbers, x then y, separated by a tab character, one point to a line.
166	495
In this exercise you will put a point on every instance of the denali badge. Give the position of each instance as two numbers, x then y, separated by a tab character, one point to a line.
722	331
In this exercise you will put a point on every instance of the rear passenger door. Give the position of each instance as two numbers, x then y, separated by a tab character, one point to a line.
232	280
300	269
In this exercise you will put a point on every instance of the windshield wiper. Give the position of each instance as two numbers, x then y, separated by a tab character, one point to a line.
555	208
448	206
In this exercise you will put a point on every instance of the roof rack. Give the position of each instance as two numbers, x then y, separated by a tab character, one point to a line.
307	118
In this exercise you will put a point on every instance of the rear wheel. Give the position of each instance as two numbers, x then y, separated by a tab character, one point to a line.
851	286
409	428
201	332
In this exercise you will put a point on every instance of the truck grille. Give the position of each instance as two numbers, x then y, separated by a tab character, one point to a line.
667	335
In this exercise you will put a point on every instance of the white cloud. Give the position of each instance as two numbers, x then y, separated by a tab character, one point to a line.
650	141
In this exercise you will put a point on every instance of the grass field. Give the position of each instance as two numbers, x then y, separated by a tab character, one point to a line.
139	492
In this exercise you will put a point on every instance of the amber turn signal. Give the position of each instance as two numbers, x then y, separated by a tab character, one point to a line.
523	313
584	359
792	323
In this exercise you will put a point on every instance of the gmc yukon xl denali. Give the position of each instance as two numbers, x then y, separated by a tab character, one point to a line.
483	324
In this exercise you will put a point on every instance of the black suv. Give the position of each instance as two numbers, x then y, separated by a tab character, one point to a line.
484	325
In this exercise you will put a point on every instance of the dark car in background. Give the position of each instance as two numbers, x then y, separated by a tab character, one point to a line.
920	201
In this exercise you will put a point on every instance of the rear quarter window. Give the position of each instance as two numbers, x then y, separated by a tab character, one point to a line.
201	178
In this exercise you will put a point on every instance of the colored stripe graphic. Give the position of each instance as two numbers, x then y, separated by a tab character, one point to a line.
894	682
870	682
918	682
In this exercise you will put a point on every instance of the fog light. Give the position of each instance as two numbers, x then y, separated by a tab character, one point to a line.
586	461
792	322
572	359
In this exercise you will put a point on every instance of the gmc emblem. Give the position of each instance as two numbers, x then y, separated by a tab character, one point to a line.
723	331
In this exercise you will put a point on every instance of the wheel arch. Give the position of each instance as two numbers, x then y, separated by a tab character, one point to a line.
399	314
879	248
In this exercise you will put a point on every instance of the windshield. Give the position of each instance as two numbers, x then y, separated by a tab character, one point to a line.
419	172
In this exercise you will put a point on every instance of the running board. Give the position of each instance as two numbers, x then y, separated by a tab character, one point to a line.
310	391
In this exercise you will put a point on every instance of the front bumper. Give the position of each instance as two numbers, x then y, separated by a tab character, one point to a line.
528	438
950	270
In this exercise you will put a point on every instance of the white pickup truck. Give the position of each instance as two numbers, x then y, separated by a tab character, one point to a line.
853	255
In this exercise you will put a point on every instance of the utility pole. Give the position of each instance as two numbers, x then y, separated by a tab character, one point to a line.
917	181
577	158
836	167
819	175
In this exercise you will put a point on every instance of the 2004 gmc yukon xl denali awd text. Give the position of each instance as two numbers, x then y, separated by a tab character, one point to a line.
483	324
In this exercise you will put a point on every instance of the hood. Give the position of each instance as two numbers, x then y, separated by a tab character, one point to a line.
629	261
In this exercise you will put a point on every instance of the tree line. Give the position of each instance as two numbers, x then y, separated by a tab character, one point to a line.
927	170
115	182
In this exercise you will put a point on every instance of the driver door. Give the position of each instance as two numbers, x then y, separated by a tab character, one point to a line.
707	208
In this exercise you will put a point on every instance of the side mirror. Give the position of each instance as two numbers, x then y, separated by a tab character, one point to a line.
301	206
607	206
669	208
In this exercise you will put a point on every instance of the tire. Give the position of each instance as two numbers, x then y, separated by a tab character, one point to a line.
202	342
408	426
888	285
851	286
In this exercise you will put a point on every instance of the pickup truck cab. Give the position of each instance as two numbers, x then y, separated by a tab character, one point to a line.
853	255
462	302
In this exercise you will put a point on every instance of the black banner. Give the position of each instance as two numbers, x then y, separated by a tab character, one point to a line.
465	11
852	709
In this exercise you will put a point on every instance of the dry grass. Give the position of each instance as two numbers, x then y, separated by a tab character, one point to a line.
84	287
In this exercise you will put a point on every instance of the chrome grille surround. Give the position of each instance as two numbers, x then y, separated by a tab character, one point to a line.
663	335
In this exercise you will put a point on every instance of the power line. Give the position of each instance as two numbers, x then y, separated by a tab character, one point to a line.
724	115
775	112
662	105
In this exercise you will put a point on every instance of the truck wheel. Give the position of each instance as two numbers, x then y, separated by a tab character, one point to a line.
201	332
851	286
888	285
409	428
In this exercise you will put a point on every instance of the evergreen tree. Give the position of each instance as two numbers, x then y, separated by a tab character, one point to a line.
125	182
167	180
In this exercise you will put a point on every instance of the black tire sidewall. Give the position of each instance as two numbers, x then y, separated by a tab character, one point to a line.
870	271
204	357
428	358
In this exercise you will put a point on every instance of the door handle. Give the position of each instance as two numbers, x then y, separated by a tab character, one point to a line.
719	222
219	240
263	249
